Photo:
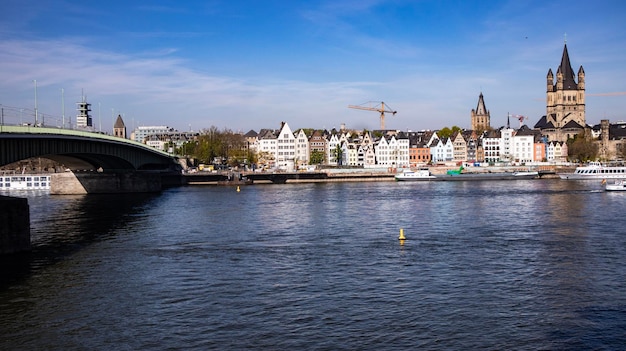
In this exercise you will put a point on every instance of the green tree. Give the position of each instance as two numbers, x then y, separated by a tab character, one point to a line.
215	146
582	149
446	132
317	157
338	154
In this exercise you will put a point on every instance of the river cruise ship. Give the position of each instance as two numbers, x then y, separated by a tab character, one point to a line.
596	170
25	182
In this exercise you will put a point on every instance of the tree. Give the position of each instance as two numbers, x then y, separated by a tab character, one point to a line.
317	157
215	146
446	132
582	149
338	154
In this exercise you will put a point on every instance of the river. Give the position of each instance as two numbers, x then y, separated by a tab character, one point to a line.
528	264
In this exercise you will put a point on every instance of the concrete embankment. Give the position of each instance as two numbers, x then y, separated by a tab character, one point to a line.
69	183
14	225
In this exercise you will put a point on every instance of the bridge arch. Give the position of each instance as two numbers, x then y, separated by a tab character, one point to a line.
78	150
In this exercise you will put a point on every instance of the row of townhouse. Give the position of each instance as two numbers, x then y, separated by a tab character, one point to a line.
289	150
503	145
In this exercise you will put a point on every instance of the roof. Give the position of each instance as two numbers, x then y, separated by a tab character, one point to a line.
572	125
569	83
251	134
480	108
119	122
267	134
525	130
543	123
494	133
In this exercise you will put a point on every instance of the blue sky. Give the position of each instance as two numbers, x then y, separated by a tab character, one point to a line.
251	64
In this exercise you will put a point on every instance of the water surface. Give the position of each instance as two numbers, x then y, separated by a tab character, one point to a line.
487	265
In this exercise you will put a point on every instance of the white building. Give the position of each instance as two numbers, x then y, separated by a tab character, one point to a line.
556	151
302	150
266	148
392	152
331	146
285	148
523	148
442	150
141	133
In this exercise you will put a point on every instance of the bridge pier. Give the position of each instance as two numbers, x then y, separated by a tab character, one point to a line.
70	183
15	228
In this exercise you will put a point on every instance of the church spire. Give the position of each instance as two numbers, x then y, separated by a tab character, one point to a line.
481	109
566	69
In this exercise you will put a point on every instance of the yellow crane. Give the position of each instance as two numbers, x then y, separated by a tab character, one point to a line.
379	107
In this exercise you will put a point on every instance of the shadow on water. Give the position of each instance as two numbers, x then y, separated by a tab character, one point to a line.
63	225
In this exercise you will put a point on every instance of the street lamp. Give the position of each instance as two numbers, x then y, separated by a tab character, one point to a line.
63	107
36	113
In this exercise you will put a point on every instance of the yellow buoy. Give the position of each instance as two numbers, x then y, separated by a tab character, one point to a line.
401	237
238	190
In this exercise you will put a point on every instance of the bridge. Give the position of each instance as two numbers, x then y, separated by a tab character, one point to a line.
80	150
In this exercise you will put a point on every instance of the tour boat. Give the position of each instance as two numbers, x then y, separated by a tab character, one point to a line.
25	182
595	170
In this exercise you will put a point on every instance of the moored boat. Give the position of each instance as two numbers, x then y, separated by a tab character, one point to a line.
617	185
489	176
420	174
596	170
25	182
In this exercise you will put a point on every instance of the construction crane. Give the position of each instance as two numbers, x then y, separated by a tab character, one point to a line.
380	108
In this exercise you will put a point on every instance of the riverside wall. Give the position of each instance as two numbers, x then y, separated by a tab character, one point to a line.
70	183
14	225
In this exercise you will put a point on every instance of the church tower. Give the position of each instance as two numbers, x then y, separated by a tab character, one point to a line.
481	119
119	128
565	100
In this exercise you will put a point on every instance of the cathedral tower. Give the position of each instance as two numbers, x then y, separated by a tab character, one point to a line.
481	119
565	100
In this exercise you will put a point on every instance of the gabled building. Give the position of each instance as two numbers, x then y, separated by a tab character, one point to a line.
442	150
252	140
267	148
317	144
419	152
556	151
331	147
302	154
285	148
492	146
472	145
523	145
459	148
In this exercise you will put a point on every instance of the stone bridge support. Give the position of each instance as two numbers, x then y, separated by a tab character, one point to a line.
14	225
69	183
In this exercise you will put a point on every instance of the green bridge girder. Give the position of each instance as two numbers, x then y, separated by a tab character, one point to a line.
80	150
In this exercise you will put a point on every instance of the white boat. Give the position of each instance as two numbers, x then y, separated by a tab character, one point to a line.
25	182
617	185
595	170
420	174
